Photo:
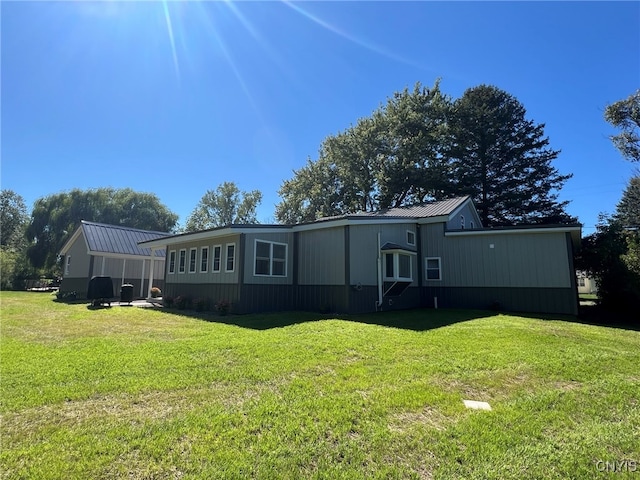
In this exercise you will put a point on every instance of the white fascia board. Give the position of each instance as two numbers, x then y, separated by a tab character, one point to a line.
186	237
514	231
399	250
208	235
350	221
212	234
127	256
429	220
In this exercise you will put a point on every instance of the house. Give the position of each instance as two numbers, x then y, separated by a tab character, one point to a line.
110	250
430	255
586	284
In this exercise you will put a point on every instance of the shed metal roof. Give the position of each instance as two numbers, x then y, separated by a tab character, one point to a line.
117	239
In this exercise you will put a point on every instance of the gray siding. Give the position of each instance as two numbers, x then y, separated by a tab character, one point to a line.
364	250
80	259
198	277
469	214
249	257
214	292
534	300
321	257
522	259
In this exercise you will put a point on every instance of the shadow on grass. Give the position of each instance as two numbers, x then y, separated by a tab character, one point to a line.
417	320
599	316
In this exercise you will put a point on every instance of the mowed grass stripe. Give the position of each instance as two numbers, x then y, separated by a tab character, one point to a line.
142	393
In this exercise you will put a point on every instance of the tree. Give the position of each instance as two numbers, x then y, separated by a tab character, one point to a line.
55	217
342	180
603	256
423	146
13	218
389	159
412	167
625	115
628	217
14	267
503	160
628	209
224	206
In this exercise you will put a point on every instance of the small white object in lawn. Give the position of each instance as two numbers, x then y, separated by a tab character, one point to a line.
477	405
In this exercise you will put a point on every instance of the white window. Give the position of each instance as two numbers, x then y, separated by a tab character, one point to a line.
411	238
67	265
217	258
182	261
581	282
172	261
193	255
471	224
231	257
397	266
270	259
204	259
433	268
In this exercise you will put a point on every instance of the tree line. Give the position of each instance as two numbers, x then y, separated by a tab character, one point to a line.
420	145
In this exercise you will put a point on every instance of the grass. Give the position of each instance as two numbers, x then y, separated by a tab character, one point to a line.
135	393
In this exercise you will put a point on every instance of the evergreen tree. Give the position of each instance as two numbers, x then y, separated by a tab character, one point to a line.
628	209
503	160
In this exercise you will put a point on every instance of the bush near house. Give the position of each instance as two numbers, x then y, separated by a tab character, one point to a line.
202	304
183	302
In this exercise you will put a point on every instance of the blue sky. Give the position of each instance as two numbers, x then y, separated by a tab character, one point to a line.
175	98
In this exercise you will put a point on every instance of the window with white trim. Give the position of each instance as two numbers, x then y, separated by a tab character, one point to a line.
217	258
411	238
231	257
462	222
182	261
433	268
471	224
204	259
172	261
397	267
270	259
581	282
67	265
193	260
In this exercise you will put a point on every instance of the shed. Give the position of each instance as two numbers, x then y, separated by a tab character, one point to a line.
111	250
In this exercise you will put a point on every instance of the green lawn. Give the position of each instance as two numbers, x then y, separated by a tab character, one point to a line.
134	393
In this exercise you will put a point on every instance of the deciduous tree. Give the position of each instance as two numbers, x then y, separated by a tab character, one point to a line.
13	218
57	216
14	267
388	159
224	206
625	115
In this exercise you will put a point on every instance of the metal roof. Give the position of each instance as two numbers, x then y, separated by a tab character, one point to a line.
116	239
423	210
433	210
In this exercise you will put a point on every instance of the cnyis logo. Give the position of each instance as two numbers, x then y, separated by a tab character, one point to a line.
617	466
